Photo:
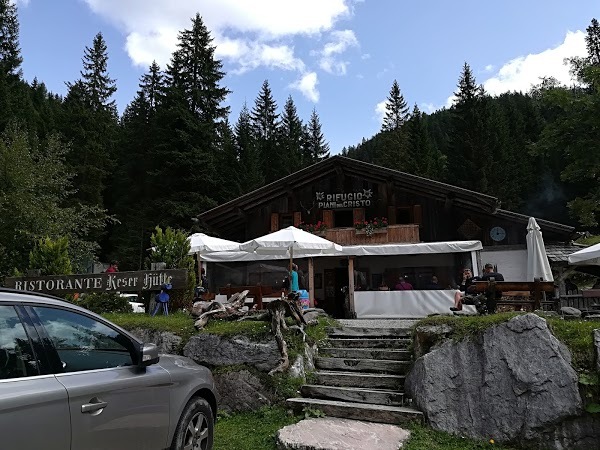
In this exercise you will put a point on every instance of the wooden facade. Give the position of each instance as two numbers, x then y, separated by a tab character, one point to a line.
341	191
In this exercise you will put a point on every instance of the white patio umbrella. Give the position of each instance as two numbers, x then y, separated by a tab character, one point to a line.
201	243
589	256
538	265
290	241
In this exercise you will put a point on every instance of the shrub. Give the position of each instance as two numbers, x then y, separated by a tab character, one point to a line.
104	302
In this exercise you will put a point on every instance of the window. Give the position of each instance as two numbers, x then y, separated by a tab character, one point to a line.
285	220
404	215
16	355
83	343
343	218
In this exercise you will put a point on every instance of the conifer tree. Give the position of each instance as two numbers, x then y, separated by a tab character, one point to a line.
592	41
91	125
423	158
10	53
247	152
265	128
184	162
291	137
316	147
396	110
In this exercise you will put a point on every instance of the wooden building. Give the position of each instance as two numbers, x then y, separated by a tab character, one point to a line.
339	192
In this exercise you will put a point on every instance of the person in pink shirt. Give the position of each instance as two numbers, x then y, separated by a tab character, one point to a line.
403	284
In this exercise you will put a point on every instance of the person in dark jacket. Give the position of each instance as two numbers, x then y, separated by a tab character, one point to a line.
464	283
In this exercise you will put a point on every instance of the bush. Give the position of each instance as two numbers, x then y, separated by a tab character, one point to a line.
104	302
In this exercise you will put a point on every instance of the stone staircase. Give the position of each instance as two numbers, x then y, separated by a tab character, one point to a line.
360	375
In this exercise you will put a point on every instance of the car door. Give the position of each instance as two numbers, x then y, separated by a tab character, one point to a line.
113	403
34	406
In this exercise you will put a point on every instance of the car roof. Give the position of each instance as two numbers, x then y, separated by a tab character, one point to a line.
8	295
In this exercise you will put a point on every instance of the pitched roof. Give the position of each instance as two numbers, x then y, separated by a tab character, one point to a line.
236	210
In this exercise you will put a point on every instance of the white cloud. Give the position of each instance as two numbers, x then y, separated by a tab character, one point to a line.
307	84
246	33
428	108
521	73
488	68
339	43
380	110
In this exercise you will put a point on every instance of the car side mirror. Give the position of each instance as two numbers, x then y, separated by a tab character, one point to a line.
149	355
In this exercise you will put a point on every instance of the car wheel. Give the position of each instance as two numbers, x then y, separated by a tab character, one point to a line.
195	428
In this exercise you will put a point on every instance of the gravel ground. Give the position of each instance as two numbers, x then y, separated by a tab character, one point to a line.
377	323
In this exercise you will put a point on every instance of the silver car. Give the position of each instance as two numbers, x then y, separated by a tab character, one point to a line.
70	379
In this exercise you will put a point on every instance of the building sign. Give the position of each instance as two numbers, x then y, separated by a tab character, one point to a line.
145	280
344	200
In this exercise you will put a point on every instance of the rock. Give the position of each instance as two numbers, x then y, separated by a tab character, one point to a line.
577	433
597	346
509	383
242	391
296	370
570	311
331	433
213	350
428	336
166	341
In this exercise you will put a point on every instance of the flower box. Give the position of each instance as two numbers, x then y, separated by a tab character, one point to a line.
375	231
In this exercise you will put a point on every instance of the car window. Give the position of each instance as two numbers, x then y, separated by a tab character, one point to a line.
83	343
16	355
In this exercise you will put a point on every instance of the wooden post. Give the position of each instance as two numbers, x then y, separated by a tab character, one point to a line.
311	282
199	260
351	287
537	294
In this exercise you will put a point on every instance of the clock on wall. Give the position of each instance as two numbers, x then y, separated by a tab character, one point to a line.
497	234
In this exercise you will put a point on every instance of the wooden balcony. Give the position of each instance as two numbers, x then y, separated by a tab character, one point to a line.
392	234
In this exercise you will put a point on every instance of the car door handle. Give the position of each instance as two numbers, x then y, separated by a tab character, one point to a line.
95	405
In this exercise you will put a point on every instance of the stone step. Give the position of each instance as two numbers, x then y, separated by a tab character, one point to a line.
359	411
362	365
369	343
366	353
354	332
359	380
357	395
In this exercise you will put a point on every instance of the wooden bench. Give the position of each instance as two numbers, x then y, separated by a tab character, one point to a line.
516	293
256	292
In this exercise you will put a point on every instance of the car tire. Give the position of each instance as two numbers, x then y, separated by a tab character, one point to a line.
195	429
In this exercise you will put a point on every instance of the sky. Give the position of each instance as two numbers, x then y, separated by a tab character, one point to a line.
339	57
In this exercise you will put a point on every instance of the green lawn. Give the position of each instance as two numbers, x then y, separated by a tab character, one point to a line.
257	430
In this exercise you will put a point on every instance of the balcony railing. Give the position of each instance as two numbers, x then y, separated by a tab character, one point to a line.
392	234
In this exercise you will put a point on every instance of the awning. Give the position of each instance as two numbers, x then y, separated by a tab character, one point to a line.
412	249
357	250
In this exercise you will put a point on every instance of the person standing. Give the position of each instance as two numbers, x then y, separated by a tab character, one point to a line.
294	286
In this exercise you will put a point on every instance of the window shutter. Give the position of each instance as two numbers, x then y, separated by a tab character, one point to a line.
297	218
358	215
417	214
274	222
328	218
391	215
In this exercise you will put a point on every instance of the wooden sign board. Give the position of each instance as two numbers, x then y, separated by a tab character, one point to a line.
144	280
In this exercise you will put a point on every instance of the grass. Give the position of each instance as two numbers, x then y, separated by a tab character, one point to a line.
423	438
463	327
178	323
257	431
578	336
592	240
251	430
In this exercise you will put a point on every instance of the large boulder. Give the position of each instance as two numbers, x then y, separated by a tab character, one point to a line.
242	391
166	341
510	383
213	350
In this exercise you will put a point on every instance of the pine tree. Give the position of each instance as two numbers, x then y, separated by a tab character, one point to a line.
10	53
188	121
315	147
247	152
265	128
397	112
291	137
91	124
423	158
592	41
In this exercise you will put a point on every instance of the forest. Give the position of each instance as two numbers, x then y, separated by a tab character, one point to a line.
79	177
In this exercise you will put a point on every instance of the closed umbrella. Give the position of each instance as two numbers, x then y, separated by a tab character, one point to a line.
538	265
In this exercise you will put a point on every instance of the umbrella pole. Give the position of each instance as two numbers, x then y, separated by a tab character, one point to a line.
199	261
291	262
